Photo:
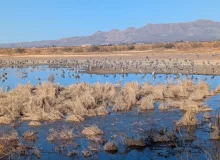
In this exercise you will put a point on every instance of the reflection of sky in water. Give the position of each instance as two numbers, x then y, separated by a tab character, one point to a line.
43	72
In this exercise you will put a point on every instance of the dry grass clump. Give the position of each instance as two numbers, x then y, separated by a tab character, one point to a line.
146	103
72	153
86	153
101	111
94	147
60	135
161	136
11	136
50	102
163	106
122	103
37	153
99	139
158	92
94	134
188	105
34	123
201	91
182	89
92	131
215	127
207	116
111	147
9	142
75	118
146	89
129	142
189	119
30	135
217	90
127	97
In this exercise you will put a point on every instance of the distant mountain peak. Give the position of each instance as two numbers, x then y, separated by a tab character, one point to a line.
198	30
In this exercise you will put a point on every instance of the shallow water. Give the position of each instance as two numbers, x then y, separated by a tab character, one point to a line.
131	123
66	77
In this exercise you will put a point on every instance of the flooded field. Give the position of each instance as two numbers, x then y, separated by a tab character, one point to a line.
127	126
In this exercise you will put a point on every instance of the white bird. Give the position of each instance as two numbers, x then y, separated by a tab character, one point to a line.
37	78
153	73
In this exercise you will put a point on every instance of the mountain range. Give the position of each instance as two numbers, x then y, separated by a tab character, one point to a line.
198	30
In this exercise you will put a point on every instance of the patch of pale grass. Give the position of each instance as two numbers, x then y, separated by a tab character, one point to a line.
11	136
97	139
75	118
189	119
92	131
34	123
50	102
60	135
163	107
129	142
111	146
30	135
146	103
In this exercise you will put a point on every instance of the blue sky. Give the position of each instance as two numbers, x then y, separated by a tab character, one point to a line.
29	20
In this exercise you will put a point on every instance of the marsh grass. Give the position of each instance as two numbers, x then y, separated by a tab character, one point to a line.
92	131
146	103
34	123
60	135
50	102
75	118
189	119
111	147
30	135
215	128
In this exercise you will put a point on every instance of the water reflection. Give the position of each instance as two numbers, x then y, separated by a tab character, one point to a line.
11	77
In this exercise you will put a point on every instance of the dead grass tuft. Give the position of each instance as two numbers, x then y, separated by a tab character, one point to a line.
75	118
92	131
111	146
50	102
34	123
146	103
189	119
30	135
60	135
129	142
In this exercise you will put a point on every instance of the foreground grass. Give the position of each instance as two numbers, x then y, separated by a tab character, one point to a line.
51	102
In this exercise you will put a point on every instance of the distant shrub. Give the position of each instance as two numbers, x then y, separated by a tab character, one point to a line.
20	50
53	50
66	49
169	45
216	45
37	51
93	49
143	47
196	45
132	47
156	46
78	50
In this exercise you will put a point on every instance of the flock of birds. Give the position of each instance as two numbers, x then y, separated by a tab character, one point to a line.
74	68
